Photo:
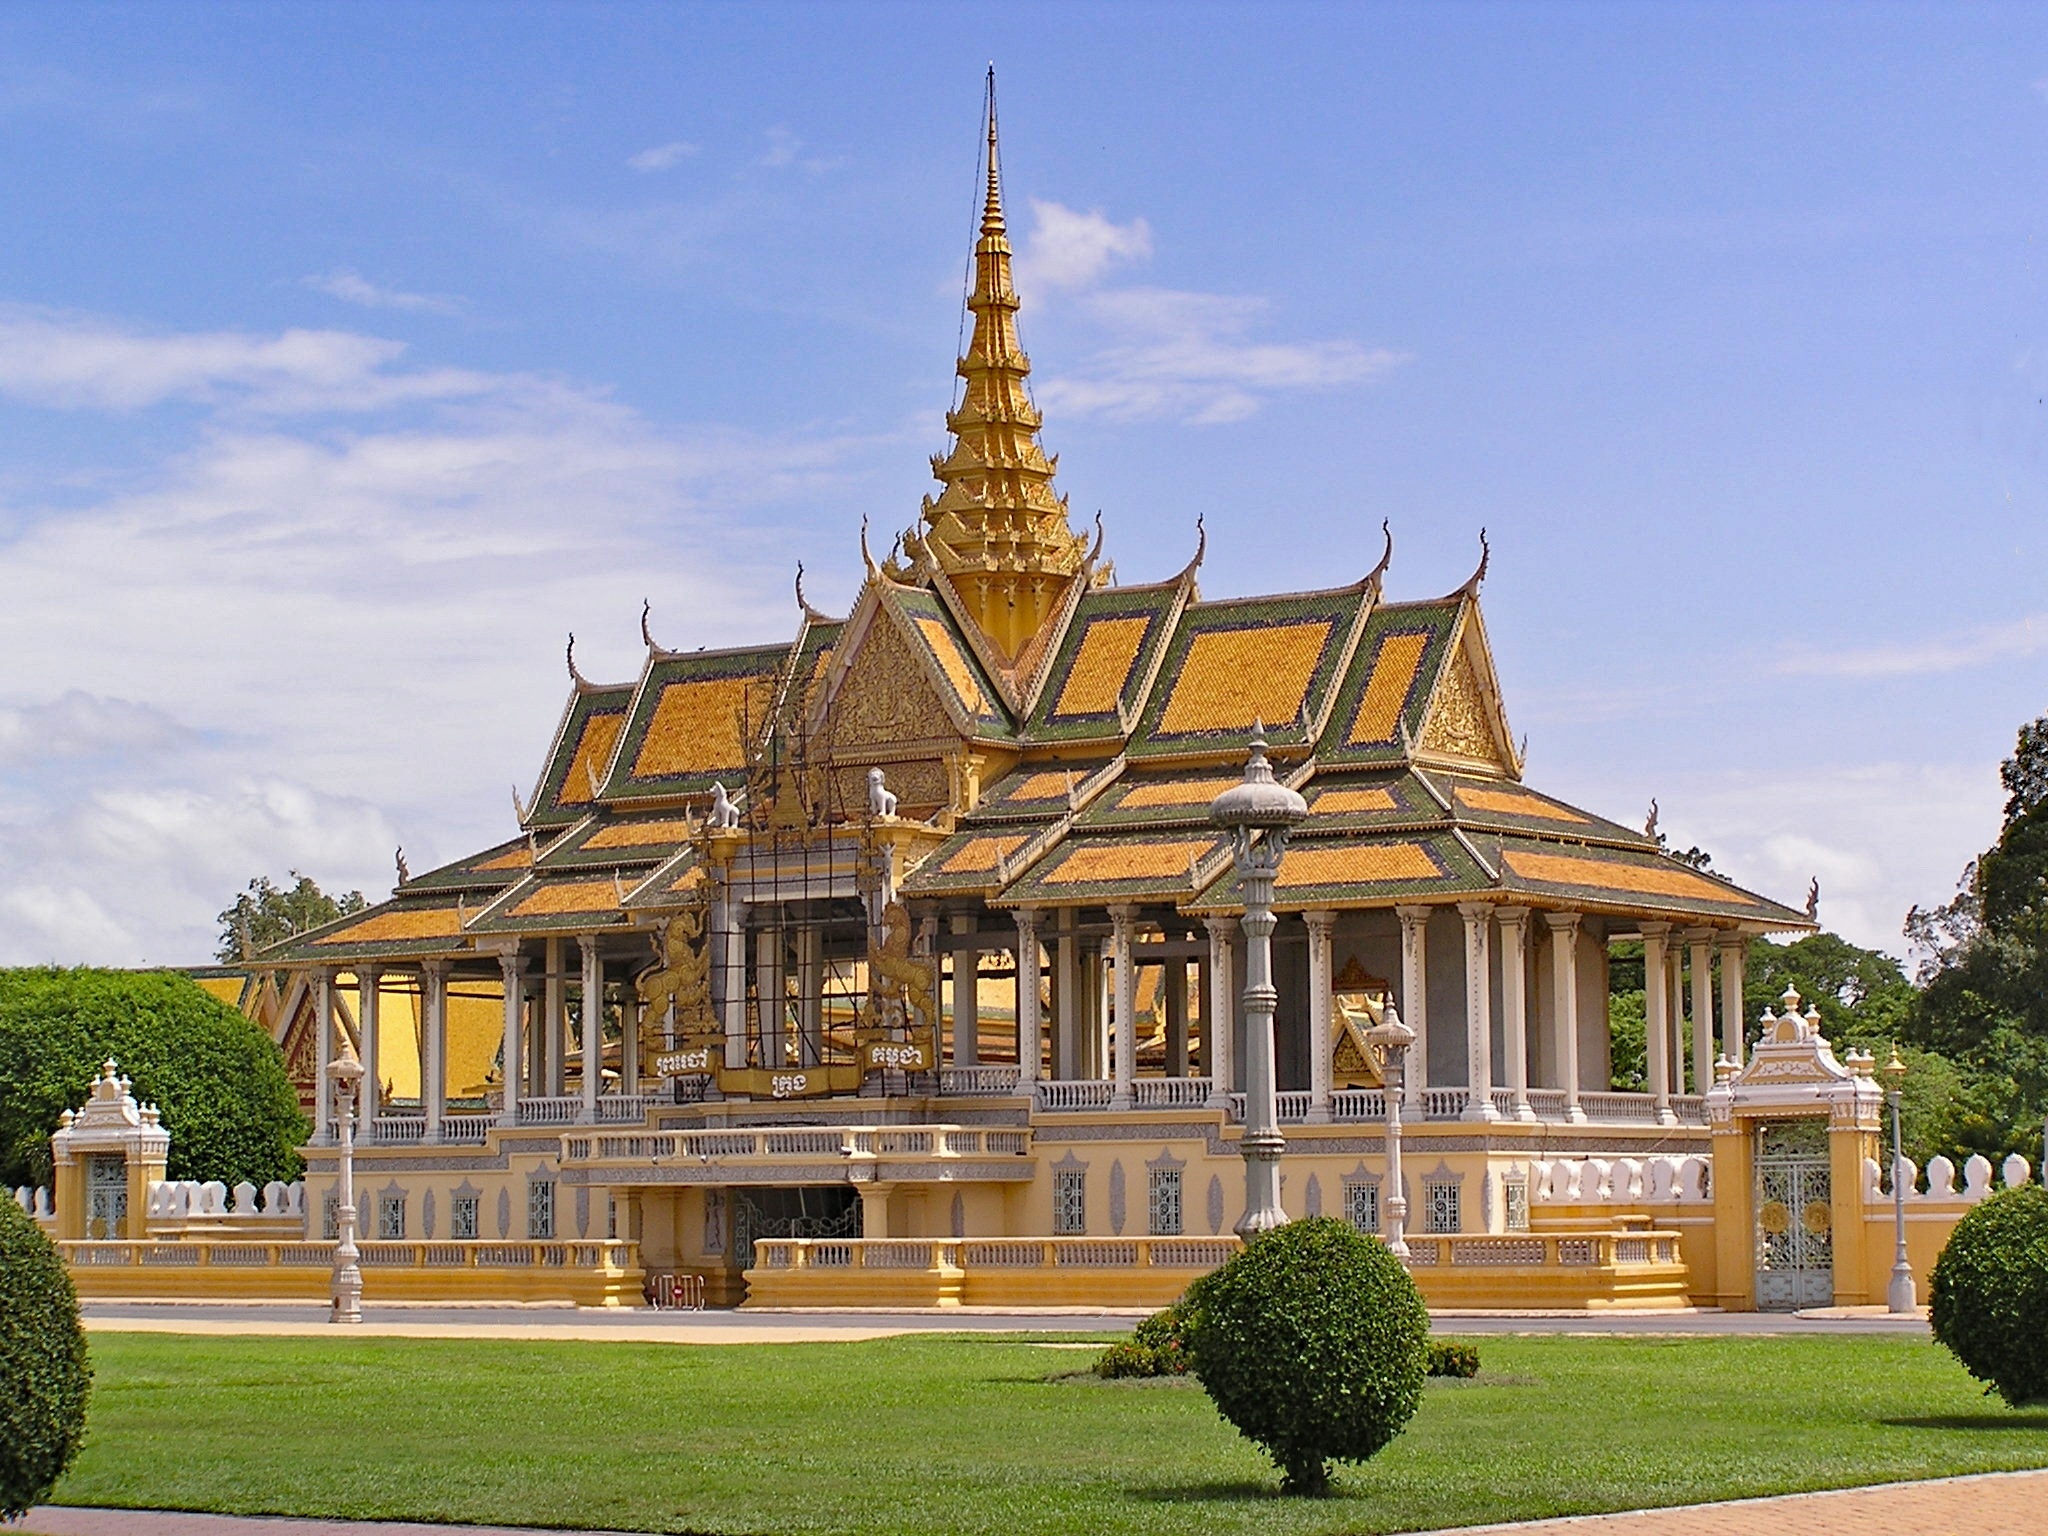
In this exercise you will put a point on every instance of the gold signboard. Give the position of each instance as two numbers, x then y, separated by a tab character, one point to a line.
897	1056
697	1061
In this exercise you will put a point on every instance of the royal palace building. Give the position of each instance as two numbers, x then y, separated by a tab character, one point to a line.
901	962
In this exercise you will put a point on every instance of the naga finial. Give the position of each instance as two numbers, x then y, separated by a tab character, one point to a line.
1376	577
866	558
404	874
647	607
570	656
1471	588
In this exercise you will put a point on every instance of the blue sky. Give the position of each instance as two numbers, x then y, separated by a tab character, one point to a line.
351	356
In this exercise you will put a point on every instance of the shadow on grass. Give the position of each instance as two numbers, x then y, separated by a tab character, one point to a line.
1241	1492
2034	1421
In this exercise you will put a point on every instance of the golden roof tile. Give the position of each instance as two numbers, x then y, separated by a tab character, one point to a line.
1233	678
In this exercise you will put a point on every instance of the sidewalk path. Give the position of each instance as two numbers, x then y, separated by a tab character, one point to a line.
1991	1504
643	1325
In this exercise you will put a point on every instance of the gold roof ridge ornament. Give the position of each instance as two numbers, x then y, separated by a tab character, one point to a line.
997	530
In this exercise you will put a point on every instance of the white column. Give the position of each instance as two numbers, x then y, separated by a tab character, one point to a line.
629	1041
434	1059
1700	942
1066	981
1176	1004
1564	996
593	1025
1321	971
1514	1004
323	1055
771	996
1734	954
1478	917
1027	997
966	995
554	1027
1656	1028
810	987
1217	1012
368	981
1124	929
729	950
512	974
1415	1000
1674	976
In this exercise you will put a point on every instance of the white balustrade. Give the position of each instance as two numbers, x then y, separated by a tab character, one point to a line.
990	1082
1444	1103
844	1143
1348	1104
396	1130
178	1200
2014	1173
1170	1092
1072	1093
1658	1179
558	1111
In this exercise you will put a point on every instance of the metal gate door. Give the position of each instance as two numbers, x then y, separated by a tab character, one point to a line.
1795	1249
106	1204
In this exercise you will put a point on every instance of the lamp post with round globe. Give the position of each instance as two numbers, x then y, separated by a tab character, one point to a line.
1902	1296
1389	1040
1258	815
347	1293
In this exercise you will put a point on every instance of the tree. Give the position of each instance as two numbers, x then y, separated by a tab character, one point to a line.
221	1082
264	915
44	1378
1985	1000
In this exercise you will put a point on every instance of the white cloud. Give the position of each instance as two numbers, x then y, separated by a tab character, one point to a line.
1165	352
661	157
297	640
1880	836
1927	655
1067	249
785	150
57	359
352	287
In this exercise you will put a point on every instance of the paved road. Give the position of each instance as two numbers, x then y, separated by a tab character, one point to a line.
641	1324
1998	1504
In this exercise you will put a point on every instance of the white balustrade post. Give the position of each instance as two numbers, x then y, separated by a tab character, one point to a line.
434	1059
1734	954
593	1024
1320	925
1414	1004
1027	997
323	1053
1124	927
369	997
1656	1028
1478	916
1700	947
1564	992
1217	1011
512	973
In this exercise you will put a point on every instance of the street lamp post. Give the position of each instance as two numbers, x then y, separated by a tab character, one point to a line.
1390	1039
1257	814
347	1293
1902	1296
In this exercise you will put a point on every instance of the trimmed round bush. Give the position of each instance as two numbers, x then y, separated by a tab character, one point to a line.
1312	1341
43	1374
1990	1297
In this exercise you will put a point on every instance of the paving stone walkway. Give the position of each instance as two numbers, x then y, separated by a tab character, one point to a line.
1993	1504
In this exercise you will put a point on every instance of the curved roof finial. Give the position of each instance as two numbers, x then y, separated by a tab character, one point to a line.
1376	577
569	655
867	559
1095	553
811	615
520	809
647	607
1187	572
1471	588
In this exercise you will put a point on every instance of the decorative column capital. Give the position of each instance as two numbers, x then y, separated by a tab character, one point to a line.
1736	941
512	964
587	943
436	968
1219	928
1512	917
1699	937
1475	911
1321	923
1413	917
1564	922
1653	930
1026	919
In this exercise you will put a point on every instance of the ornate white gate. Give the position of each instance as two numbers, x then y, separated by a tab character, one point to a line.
1795	1251
106	1207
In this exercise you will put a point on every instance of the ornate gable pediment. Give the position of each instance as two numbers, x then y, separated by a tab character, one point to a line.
884	697
1466	725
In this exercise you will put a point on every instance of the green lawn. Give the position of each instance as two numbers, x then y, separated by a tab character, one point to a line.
963	1434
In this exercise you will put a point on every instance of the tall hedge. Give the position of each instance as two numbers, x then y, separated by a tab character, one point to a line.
226	1099
44	1377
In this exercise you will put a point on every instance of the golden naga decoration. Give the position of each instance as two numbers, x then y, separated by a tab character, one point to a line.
901	987
997	531
683	977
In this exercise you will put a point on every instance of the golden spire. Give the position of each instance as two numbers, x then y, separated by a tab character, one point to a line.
998	530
